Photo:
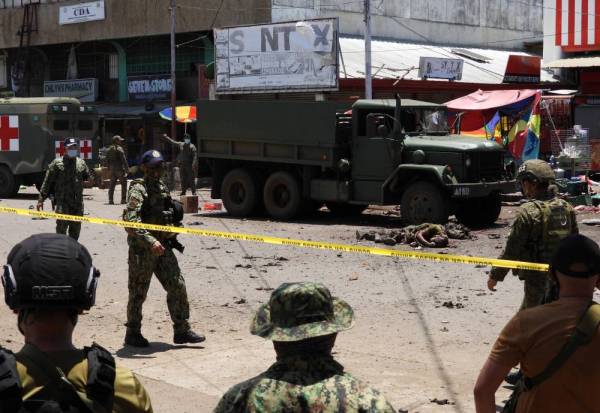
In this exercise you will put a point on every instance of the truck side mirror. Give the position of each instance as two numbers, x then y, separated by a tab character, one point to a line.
383	131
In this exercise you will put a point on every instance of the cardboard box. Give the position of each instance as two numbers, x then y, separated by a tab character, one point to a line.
190	204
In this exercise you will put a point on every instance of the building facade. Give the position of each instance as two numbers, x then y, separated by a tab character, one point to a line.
114	53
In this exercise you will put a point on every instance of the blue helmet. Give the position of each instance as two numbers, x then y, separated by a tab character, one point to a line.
152	158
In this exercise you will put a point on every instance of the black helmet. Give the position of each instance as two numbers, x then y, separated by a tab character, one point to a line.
49	271
152	158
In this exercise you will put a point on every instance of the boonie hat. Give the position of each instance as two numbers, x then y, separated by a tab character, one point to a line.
152	158
576	249
70	142
297	311
49	271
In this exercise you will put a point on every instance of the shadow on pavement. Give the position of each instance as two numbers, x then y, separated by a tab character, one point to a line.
130	352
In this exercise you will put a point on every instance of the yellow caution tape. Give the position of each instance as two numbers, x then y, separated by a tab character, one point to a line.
459	259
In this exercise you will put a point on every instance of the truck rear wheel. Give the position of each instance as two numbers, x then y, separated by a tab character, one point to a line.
8	183
340	209
239	193
282	196
424	202
479	212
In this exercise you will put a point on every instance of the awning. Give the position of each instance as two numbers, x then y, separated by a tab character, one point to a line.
482	100
574	62
125	111
398	60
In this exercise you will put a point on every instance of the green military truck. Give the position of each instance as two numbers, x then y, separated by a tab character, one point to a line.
32	132
289	158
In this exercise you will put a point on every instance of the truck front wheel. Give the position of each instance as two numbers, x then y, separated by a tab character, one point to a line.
479	212
238	192
282	196
424	202
8	183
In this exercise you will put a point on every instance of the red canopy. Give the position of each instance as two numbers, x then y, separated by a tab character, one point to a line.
482	100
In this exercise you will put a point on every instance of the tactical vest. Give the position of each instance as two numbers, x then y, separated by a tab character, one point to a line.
58	395
556	225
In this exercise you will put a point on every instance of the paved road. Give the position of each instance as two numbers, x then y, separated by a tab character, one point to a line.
423	355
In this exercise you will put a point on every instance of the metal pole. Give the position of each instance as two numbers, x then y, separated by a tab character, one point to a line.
173	78
368	80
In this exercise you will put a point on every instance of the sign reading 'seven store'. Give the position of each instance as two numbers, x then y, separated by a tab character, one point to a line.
81	12
147	88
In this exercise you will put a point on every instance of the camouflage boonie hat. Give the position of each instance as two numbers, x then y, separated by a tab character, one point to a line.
297	311
537	170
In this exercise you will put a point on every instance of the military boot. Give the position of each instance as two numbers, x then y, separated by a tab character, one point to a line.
110	197
188	337
135	339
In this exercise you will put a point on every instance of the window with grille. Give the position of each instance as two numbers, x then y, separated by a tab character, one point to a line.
3	79
113	66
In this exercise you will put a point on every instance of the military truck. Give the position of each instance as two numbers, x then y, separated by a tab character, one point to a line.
289	158
32	131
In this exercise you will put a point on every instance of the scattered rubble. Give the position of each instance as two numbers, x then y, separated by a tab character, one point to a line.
441	402
450	304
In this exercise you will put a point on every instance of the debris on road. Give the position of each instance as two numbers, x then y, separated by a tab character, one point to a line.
450	304
441	402
424	235
593	221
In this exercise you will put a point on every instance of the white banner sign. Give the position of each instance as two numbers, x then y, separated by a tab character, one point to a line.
278	57
81	12
86	90
440	68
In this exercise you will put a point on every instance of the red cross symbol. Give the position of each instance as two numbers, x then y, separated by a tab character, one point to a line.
85	148
9	133
59	149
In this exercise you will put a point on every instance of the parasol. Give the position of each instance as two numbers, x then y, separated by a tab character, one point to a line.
184	114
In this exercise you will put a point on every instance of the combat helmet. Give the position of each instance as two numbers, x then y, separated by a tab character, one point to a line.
152	158
536	170
299	311
117	139
49	271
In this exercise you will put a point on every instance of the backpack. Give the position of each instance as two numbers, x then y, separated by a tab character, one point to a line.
58	395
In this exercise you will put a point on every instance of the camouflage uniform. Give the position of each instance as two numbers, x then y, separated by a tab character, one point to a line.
118	167
302	382
539	226
188	164
151	195
64	179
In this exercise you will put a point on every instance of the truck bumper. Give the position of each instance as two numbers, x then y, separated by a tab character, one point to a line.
478	189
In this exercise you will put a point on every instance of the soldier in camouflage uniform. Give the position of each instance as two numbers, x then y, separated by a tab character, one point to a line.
303	319
187	161
64	179
118	168
539	226
152	252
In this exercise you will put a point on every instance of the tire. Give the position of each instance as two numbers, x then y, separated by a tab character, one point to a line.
238	192
479	212
423	202
340	209
282	197
8	184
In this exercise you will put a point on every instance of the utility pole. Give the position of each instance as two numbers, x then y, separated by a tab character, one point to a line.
173	78
368	80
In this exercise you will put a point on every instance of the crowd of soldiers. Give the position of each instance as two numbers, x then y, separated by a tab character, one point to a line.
49	280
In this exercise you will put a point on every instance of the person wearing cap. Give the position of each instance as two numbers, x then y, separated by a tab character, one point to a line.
187	161
118	168
535	337
49	280
64	178
151	252
302	320
539	226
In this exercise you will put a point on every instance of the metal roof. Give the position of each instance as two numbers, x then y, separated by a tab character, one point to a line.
39	100
593	61
391	103
398	60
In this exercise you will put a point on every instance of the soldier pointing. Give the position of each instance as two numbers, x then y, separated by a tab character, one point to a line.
187	161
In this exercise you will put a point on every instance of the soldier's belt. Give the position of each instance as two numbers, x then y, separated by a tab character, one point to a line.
459	259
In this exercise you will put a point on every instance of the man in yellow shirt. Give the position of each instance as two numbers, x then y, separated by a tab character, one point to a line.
49	280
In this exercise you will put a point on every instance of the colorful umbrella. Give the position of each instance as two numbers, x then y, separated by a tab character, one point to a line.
185	114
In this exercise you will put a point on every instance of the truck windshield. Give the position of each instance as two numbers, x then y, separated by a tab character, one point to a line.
434	121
